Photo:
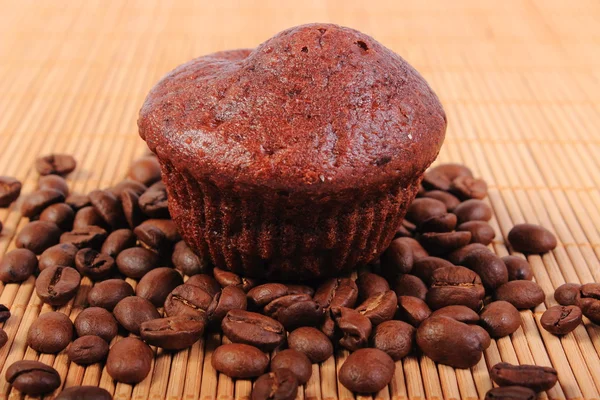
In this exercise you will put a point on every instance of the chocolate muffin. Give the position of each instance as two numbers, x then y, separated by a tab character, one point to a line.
297	159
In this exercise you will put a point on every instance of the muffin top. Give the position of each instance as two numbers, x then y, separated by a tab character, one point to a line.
317	108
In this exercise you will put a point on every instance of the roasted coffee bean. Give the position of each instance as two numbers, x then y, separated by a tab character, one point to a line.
450	342
500	318
131	208
440	223
188	300
467	187
107	294
86	217
96	321
90	236
96	266
355	327
300	289
560	320
455	286
280	384
518	268
335	292
145	170
521	294
481	232
153	202
238	360
54	182
136	262
61	214
118	241
88	349
441	176
262	295
157	284
57	285
531	239
35	202
133	311
129	360
406	229
380	307
370	284
311	342
185	260
17	265
60	255
588	300
367	371
298	363
227	278
55	164
423	268
84	393
274	307
37	236
108	206
157	234
534	377
490	268
396	338
205	282
473	210
413	310
418	251
51	332
128	184
397	259
3	338
459	313
10	190
437	243
230	298
172	333
567	294
409	285
510	393
457	256
32	377
424	208
4	313
448	199
251	328
78	201
303	313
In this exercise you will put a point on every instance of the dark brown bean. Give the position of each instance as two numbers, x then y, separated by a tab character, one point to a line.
441	176
87	350
55	182
370	284
367	371
459	313
133	311
413	310
10	190
251	328
534	377
17	265
90	236
129	360
145	170
355	327
448	199
226	278
473	210
157	234
300	289
57	285
128	184
298	363
96	321
500	318
185	260
118	241
32	377
157	284
35	202
521	294
96	266
84	393
60	255
423	268
107	294
55	164
396	338
481	231
510	393
131	208
108	206
136	262
61	214
518	268
205	282
312	342
424	208
440	223
397	259
188	300
230	298
37	236
302	313
51	332
530	238
380	307
262	295
279	384
172	333
4	313
490	268
467	187
438	243
238	360
78	201
560	320
588	299
409	285
567	294
86	217
457	256
455	286
153	202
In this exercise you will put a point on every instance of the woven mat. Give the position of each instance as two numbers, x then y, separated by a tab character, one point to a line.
520	81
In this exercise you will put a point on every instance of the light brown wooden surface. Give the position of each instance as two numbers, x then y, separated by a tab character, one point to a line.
520	81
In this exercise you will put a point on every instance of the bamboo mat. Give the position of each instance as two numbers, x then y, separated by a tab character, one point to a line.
520	81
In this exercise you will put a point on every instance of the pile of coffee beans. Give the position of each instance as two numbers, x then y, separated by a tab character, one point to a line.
438	289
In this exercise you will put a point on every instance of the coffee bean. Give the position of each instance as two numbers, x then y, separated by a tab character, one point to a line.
409	285
455	286
567	294
206	283
188	300
406	229
302	313
337	292
96	321
185	260
32	377
77	201
451	342
118	241
10	190
35	202
3	338
467	187
172	333
258	330
238	360
457	256
459	313
108	206
262	295
4	313
279	384
500	318
153	202
531	239
413	310
55	182
300	289
51	332
131	208
96	266
441	223
510	393
61	255
560	320
61	214
437	243
90	236
133	311
145	170
490	268
84	393
448	199
370	284
398	258
107	294
396	338
355	327
37	236
157	234
273	308
534	377
423	269
521	294
518	268
588	300
379	308
135	262
424	208
57	285
441	176
227	278
17	265
481	232
87	350
473	210
128	184
367	371
298	363
86	217
129	360
157	284
56	164
311	342
230	298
